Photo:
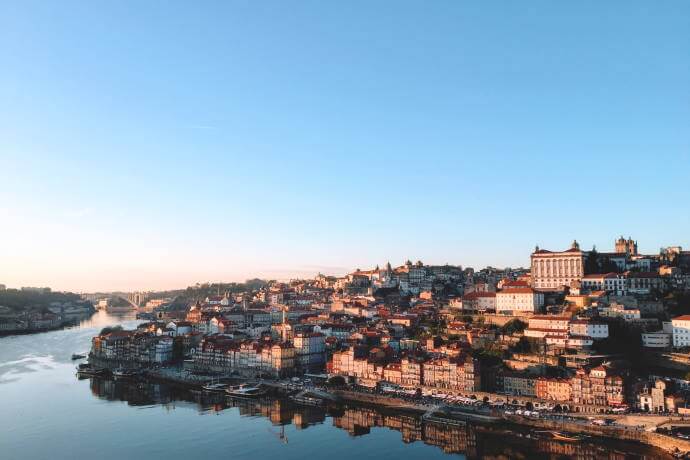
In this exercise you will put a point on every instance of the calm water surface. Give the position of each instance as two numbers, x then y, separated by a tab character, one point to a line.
47	413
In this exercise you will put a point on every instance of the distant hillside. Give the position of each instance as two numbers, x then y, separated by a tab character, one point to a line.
18	300
199	292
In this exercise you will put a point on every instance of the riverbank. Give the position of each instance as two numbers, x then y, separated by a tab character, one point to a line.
170	375
39	330
439	412
667	443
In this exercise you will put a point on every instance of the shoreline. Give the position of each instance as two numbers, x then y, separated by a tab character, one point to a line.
15	332
69	321
668	444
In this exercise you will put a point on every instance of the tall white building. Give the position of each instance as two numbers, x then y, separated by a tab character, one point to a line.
681	331
310	350
552	270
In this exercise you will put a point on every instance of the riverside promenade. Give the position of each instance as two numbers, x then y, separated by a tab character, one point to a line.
635	428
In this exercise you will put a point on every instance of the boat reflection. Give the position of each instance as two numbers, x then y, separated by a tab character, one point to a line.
473	441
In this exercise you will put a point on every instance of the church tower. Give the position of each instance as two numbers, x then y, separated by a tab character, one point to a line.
628	246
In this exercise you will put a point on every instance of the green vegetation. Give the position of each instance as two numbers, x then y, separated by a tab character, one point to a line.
433	327
489	356
420	333
597	264
513	326
528	345
109	329
678	303
625	340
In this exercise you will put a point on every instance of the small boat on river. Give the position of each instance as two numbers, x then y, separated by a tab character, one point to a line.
570	437
307	400
85	370
122	373
564	436
76	356
245	391
215	387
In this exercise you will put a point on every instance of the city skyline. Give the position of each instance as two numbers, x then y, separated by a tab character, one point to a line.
310	271
184	144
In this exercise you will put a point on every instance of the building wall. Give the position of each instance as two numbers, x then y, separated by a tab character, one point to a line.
556	269
523	302
657	340
681	332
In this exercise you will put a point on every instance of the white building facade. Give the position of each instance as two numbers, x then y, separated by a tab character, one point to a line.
553	270
681	331
519	301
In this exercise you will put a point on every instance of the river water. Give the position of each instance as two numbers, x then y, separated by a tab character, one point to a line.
47	413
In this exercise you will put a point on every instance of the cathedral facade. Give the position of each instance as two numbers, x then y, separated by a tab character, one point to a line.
553	270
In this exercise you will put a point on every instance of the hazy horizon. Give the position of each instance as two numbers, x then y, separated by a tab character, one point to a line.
153	147
309	271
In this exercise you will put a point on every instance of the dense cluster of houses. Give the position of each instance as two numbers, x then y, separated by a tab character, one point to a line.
11	322
253	357
369	367
133	347
535	333
40	316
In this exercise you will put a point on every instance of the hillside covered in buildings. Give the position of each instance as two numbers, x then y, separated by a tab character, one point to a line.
581	330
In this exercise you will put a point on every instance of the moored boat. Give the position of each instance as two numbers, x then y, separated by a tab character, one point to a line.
76	356
121	373
87	370
215	387
307	400
245	391
570	437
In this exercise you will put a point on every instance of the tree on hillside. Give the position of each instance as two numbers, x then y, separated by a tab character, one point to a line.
678	303
624	339
592	261
528	345
25	300
109	329
596	263
513	326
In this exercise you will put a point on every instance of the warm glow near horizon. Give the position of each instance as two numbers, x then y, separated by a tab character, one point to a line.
274	145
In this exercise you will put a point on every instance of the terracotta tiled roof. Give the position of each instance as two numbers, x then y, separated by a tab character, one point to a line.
476	295
515	284
601	275
518	291
682	318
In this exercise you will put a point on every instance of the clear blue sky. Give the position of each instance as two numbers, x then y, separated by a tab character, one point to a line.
156	144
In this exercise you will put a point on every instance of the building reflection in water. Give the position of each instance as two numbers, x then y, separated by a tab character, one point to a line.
474	441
